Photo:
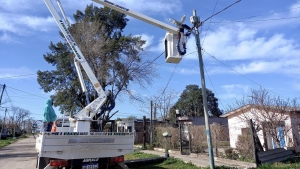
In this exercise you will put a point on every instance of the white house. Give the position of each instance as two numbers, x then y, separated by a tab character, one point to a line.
282	122
126	125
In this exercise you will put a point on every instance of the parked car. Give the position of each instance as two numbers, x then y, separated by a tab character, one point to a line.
4	135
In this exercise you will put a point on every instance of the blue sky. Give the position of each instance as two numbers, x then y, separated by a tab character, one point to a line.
254	43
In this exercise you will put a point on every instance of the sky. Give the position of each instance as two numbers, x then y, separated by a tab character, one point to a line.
250	45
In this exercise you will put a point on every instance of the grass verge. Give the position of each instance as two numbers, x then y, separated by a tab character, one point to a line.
138	155
170	163
6	142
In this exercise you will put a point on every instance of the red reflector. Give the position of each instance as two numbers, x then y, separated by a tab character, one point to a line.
58	162
117	159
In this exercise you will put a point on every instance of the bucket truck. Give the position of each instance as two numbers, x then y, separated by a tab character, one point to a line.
77	146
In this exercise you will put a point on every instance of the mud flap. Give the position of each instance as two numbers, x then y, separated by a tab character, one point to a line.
123	165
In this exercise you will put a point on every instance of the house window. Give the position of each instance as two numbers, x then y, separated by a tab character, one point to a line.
246	131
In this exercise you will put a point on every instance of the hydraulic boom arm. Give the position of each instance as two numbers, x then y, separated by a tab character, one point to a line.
90	110
137	15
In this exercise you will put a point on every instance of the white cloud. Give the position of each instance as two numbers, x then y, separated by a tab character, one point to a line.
189	71
154	6
234	91
290	66
19	6
295	9
22	25
239	43
37	23
7	38
147	38
151	6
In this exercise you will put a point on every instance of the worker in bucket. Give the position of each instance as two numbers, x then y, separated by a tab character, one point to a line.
49	115
182	38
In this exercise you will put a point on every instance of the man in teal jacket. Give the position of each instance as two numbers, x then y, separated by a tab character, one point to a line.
49	115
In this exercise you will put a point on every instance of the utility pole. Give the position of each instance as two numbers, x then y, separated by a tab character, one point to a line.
253	143
196	22
155	111
2	93
2	128
151	124
144	134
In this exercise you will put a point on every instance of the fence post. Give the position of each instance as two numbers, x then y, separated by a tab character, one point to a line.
144	134
253	144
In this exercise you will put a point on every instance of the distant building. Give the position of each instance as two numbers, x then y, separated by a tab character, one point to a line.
126	125
288	128
185	121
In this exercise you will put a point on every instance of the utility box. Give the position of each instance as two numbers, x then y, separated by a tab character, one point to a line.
171	52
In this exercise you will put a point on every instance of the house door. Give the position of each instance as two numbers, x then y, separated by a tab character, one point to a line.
280	135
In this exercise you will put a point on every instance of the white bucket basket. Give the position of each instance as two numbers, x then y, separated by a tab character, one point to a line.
171	52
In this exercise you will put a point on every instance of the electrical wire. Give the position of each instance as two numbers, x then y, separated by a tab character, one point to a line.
260	20
212	86
155	59
238	72
11	105
24	97
219	12
209	22
17	76
154	44
174	70
27	92
285	10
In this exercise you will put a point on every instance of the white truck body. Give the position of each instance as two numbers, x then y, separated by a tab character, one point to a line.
82	145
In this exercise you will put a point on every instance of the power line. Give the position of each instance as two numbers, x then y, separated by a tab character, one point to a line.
9	100
267	13
190	53
154	44
237	72
27	92
17	76
238	20
219	12
209	22
24	97
26	103
155	59
169	80
260	20
213	86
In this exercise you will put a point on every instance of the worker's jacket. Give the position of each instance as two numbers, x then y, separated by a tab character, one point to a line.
49	113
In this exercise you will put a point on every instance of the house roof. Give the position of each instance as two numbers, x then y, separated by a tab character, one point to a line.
233	112
236	111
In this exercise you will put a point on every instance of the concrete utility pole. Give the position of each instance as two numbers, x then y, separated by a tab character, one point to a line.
2	93
196	22
151	123
144	134
2	127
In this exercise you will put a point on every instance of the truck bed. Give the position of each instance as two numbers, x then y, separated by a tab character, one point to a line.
82	145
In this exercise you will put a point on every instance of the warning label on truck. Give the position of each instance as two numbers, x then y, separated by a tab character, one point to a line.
91	140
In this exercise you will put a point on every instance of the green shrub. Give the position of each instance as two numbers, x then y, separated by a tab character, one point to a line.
244	147
231	154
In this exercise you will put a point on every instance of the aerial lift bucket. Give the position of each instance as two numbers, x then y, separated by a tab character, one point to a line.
171	52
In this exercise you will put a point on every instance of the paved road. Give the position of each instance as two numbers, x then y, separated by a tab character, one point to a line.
19	155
